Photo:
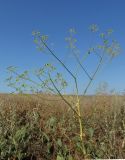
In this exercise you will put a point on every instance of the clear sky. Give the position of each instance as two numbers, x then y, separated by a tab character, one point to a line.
18	18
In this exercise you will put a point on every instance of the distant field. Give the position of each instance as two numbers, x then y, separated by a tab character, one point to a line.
53	104
43	127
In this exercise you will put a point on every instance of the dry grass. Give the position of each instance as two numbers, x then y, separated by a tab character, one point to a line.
42	127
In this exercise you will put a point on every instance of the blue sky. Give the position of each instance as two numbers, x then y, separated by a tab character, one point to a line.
18	18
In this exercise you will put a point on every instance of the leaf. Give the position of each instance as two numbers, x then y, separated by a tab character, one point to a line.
102	35
20	134
12	69
93	28
46	136
44	37
109	31
52	121
70	157
59	142
60	158
35	41
91	132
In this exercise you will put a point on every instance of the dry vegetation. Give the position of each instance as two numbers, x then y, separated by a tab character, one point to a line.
48	127
33	127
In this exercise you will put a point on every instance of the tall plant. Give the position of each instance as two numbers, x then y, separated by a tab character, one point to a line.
53	82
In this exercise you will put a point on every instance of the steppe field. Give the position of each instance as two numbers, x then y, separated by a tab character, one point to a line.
42	127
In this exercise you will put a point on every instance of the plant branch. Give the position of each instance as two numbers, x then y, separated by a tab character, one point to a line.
49	88
94	74
58	59
63	96
83	68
